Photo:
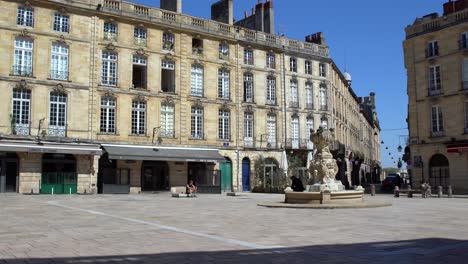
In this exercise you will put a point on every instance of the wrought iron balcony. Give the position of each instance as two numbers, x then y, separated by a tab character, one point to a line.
21	129
110	36
271	101
309	106
248	100
294	104
195	136
109	81
59	75
249	143
141	41
434	91
298	143
20	70
57	131
438	133
324	108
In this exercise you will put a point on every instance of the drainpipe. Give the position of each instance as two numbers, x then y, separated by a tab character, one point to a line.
238	114
284	98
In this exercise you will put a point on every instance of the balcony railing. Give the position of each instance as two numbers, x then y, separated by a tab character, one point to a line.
141	41
198	136
271	101
57	131
249	142
59	75
309	106
438	133
248	100
298	143
110	36
141	10
109	81
197	51
324	108
294	104
434	91
21	129
111	4
25	71
166	134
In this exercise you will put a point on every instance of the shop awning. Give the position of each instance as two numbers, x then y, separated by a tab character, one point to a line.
457	148
49	147
126	152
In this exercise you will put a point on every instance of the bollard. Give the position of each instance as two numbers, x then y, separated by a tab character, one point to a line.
397	191
439	192
410	192
449	191
372	190
52	190
70	191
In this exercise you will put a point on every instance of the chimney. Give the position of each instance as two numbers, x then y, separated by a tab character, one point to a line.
455	6
269	17
259	17
316	38
172	5
372	99
223	11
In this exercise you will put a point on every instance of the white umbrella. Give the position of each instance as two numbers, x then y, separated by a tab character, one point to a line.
284	163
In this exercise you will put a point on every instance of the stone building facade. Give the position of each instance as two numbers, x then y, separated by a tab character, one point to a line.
113	97
437	66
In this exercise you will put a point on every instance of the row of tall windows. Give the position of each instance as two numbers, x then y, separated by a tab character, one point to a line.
23	59
434	78
25	18
21	113
307	67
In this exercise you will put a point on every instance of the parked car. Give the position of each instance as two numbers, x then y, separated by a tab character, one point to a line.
391	181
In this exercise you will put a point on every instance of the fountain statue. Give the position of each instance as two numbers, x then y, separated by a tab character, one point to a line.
323	168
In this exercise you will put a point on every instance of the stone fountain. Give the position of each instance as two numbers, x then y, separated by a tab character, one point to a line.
323	169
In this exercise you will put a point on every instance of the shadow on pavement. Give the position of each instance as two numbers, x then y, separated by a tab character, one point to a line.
431	250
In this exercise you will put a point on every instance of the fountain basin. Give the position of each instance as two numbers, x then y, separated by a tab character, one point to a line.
324	197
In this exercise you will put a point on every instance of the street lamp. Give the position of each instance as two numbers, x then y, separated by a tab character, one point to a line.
400	148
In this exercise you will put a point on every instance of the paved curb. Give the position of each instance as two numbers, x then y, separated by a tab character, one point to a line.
326	206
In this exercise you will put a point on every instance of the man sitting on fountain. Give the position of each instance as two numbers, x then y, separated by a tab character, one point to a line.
296	185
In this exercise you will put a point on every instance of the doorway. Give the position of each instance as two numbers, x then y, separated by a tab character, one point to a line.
439	170
246	175
58	174
226	175
9	176
155	176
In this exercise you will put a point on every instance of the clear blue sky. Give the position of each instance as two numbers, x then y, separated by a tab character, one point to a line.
369	32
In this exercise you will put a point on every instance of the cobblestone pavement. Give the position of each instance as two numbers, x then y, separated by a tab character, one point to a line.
154	228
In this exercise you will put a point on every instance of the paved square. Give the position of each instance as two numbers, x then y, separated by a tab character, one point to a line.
154	228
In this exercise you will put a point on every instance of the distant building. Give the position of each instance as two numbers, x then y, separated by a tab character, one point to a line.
116	97
436	61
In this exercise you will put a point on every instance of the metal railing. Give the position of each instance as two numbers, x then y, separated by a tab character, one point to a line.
57	131
109	81
294	104
59	75
298	143
20	70
21	129
249	142
271	101
438	133
434	91
309	106
110	36
141	41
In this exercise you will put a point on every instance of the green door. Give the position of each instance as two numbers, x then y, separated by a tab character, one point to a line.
58	183
226	176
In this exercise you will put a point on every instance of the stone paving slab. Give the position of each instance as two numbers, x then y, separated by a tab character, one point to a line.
219	229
